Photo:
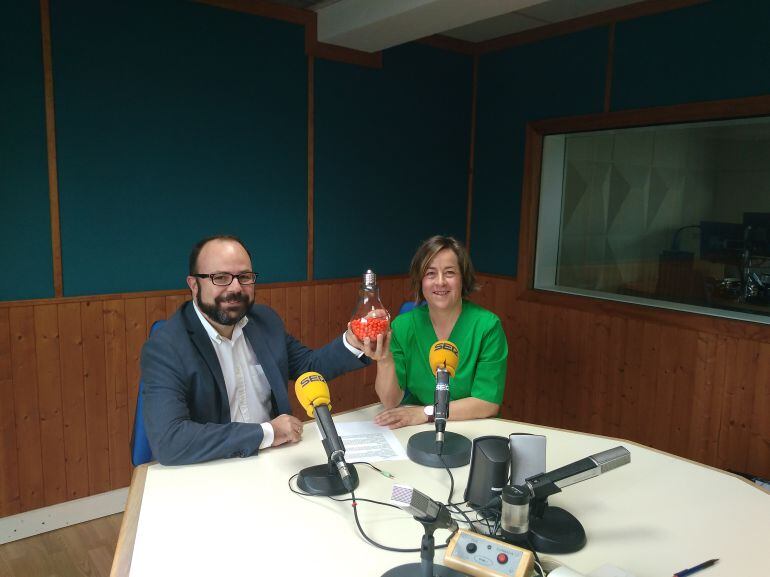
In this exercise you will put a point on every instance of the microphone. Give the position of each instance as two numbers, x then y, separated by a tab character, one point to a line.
313	394
442	448
443	358
422	507
545	484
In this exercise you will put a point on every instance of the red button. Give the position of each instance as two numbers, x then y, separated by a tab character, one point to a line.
502	558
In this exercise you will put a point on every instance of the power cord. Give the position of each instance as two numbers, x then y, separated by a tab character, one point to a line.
354	505
451	479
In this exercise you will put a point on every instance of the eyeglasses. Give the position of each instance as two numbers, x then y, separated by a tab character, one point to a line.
226	279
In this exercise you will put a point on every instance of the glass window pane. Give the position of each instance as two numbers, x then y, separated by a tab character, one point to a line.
676	216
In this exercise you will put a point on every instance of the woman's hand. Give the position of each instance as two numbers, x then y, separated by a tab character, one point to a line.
378	350
398	417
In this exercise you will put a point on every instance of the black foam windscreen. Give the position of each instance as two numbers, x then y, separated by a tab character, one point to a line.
490	458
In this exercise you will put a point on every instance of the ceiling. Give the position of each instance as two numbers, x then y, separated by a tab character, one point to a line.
372	25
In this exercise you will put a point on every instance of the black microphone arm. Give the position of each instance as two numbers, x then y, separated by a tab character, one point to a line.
441	406
545	484
335	449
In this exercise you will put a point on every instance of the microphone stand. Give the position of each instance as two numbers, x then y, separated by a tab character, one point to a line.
325	479
426	567
440	448
553	529
456	452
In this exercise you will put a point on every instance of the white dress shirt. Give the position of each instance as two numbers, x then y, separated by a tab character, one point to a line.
248	390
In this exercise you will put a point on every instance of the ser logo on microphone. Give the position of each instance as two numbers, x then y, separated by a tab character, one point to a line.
311	378
445	346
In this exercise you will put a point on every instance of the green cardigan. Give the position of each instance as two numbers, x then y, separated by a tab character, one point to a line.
483	349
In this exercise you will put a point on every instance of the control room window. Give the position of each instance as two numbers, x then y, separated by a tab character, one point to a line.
675	216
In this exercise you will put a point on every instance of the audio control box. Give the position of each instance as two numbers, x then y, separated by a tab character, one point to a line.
483	556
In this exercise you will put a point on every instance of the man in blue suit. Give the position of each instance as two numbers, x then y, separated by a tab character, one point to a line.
215	374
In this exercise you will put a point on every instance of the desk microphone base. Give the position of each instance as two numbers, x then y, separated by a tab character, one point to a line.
421	449
416	570
325	480
557	531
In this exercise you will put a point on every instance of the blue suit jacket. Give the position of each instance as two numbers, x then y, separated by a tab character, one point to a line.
186	409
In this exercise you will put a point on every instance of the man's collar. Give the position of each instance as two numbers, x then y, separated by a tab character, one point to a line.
212	332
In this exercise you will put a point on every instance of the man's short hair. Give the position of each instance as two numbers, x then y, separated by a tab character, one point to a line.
196	250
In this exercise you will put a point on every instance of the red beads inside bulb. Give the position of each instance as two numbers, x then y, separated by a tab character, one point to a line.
369	327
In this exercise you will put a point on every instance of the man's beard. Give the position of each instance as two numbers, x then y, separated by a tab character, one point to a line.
217	312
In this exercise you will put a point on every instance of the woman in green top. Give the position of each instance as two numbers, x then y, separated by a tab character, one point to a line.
443	276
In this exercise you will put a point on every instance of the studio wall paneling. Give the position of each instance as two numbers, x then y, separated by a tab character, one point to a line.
69	375
25	235
696	394
391	158
176	120
561	76
712	51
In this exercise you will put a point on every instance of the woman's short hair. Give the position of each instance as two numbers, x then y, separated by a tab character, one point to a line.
425	254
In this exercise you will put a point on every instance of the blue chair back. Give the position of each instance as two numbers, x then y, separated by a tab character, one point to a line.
409	305
140	446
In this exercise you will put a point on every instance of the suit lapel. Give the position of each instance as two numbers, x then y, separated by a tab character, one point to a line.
267	360
202	342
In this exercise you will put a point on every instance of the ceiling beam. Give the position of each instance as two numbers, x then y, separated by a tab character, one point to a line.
372	25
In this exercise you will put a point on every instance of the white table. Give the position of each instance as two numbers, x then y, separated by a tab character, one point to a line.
658	515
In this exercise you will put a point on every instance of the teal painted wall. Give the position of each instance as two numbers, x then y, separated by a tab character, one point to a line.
716	50
25	230
562	76
391	158
712	51
174	121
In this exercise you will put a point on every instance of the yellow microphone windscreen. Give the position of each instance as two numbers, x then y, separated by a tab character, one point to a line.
444	354
312	390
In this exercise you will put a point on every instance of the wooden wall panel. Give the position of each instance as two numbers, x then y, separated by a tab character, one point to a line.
73	400
293	320
50	401
760	419
696	394
69	371
173	302
116	392
345	296
739	397
615	373
26	408
94	378
155	308
136	333
10	499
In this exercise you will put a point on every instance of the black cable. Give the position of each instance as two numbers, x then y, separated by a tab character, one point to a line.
380	471
378	545
295	491
361	499
451	479
451	494
354	504
455	507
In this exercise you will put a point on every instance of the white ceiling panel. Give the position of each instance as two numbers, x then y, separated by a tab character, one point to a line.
372	25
